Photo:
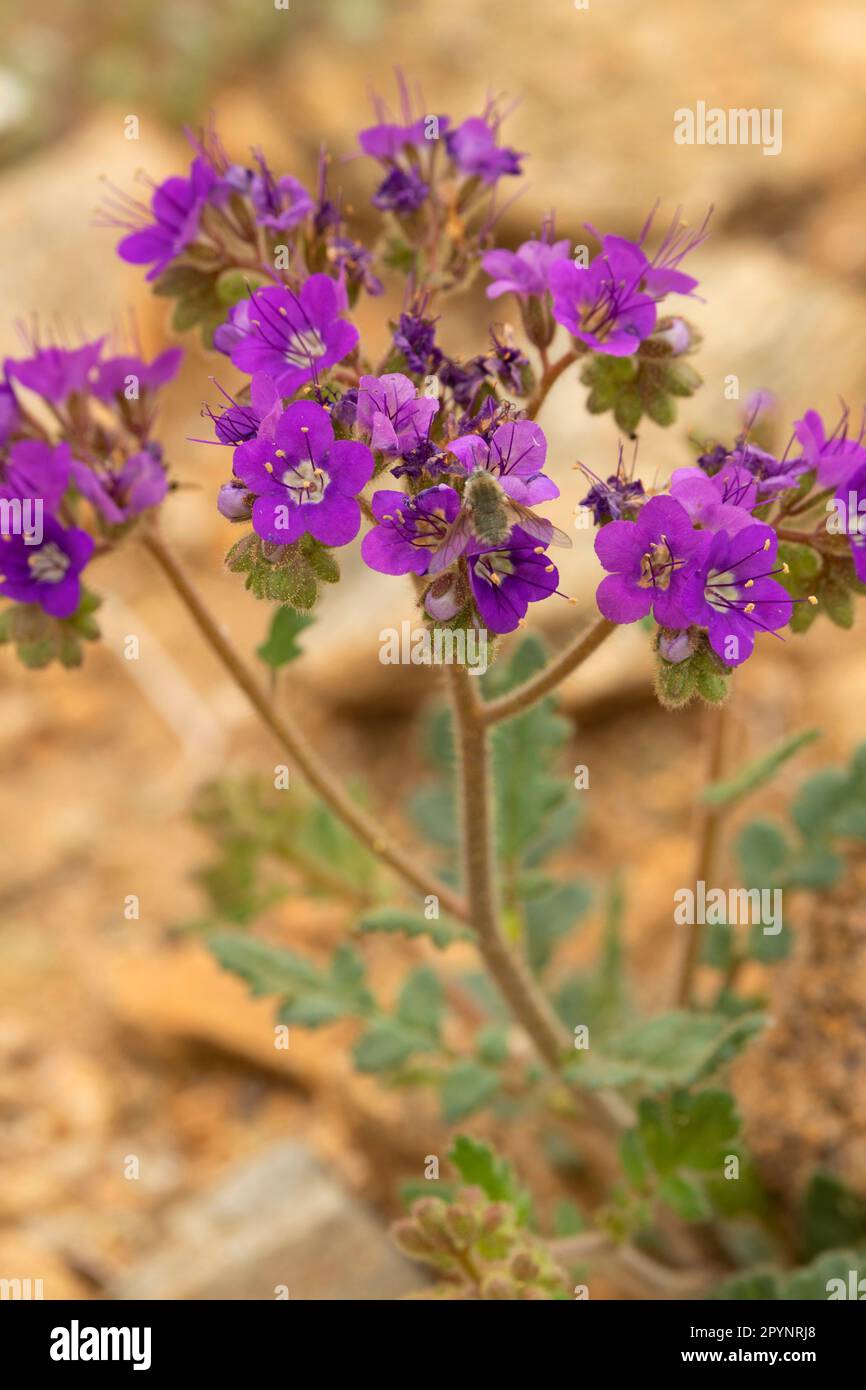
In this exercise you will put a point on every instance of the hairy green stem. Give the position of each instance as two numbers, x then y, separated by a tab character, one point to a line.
370	832
507	967
549	379
568	660
708	837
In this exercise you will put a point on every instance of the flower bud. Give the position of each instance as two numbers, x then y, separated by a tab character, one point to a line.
524	1267
676	646
234	502
410	1240
462	1225
498	1286
538	321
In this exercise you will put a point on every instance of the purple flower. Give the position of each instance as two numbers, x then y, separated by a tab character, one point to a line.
740	596
836	457
660	275
772	475
305	481
238	423
10	415
508	364
415	337
721	502
279	203
344	411
711	460
120	495
473	148
46	573
176	208
289	337
391	412
401	191
506	579
426	457
387	140
515	454
38	470
601	304
56	373
116	376
354	263
409	529
608	500
851	501
523	272
653	564
463	378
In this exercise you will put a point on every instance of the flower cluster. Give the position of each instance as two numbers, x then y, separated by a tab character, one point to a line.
78	465
708	558
438	458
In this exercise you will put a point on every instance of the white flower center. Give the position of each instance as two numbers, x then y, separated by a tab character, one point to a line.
305	481
302	348
49	564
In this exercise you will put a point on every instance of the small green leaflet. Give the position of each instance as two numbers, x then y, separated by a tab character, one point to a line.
674	1049
396	919
468	1086
756	773
479	1166
282	644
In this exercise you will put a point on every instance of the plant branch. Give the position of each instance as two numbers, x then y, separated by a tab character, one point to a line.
710	825
549	378
526	695
507	968
322	781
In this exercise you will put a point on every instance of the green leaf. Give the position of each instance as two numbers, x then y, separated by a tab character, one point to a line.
398	920
467	1087
288	574
763	853
491	1045
661	409
836	600
282	645
386	1045
479	1166
691	1131
819	800
684	1197
675	1049
527	795
421	1001
756	773
568	1219
310	996
831	1215
757	1286
628	409
810	1283
553	915
634	1159
768	947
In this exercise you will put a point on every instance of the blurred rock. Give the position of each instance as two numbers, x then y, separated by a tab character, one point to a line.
277	1222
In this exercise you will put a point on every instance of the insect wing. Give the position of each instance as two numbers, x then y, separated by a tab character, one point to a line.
453	543
538	526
